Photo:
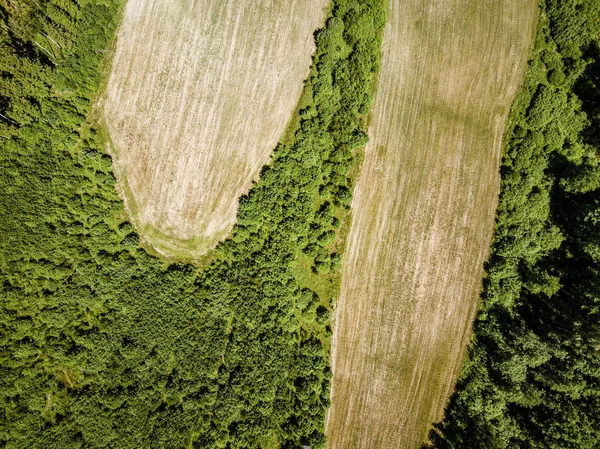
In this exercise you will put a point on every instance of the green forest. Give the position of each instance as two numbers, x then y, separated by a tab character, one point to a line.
532	378
103	345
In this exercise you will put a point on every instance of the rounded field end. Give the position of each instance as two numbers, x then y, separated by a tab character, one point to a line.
198	96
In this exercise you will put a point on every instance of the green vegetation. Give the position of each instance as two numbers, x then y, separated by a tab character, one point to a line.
532	378
103	345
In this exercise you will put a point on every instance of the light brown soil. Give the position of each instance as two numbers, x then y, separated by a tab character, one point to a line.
423	215
199	93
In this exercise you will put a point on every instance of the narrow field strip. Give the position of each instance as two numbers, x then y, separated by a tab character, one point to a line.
423	213
199	94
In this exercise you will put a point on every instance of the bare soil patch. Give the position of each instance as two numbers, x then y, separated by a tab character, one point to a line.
423	215
199	94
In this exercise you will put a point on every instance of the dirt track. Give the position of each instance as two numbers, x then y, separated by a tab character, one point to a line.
198	96
423	215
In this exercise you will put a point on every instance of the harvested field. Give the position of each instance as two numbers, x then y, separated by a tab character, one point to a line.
198	96
423	215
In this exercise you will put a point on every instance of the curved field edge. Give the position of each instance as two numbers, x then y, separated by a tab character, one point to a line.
532	377
422	215
198	96
104	345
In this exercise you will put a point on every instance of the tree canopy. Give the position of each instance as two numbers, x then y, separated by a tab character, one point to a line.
104	345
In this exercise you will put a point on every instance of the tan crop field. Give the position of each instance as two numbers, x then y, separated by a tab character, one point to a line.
198	96
423	215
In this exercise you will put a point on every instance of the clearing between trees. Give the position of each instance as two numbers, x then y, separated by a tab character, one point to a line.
423	214
198	96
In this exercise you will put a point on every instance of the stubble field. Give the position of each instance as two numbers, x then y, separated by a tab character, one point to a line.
423	213
198	96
